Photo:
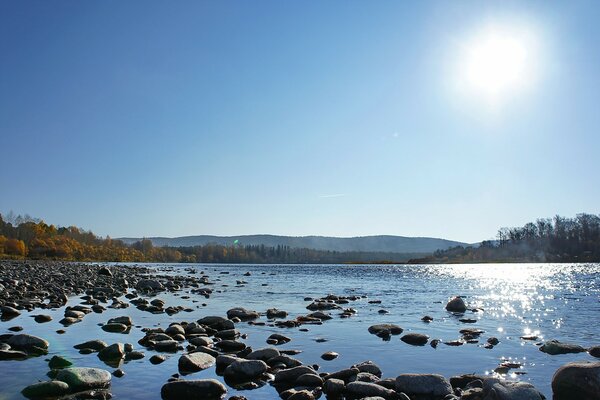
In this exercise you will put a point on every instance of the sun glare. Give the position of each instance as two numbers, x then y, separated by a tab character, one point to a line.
498	63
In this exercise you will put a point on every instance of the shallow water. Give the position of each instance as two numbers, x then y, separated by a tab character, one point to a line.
552	301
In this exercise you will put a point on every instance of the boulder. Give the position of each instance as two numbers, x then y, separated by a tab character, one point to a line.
149	284
57	362
391	328
359	390
263	354
80	378
46	389
195	362
95	345
115	351
577	381
423	384
27	342
554	347
513	391
456	304
245	370
242	313
203	389
416	339
291	374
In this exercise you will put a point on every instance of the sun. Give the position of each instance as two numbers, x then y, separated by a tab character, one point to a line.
498	62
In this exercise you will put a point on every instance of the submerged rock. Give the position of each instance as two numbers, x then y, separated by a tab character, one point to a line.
46	389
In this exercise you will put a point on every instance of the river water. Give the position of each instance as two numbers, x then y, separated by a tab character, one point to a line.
551	301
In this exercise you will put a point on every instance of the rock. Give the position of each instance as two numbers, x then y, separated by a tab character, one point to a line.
204	389
423	384
201	341
554	347
291	374
230	345
195	362
242	313
95	345
119	373
46	389
416	339
79	378
513	391
293	394
115	328
278	339
577	381
134	355
263	354
57	362
12	355
370	367
115	351
359	390
391	328
125	320
456	304
27	342
169	346
40	319
275	313
104	271
175	329
9	312
149	284
594	351
244	370
157	359
309	380
334	388
330	355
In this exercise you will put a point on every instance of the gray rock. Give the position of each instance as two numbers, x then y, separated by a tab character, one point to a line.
416	339
12	355
149	284
554	347
125	320
195	362
242	313
115	328
370	367
263	354
57	362
391	328
456	304
334	388
40	319
45	389
204	389
309	380
201	341
423	384
513	391
330	355
291	374
95	345
79	378
359	390
244	370
275	313
27	342
115	351
577	380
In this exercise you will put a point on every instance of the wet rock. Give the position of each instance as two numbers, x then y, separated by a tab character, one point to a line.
104	271
115	351
594	351
230	345
12	355
242	313
278	339
290	375
456	304
45	390
243	370
309	380
513	391
293	394
275	313
201	341
391	328
149	284
115	328
359	390
40	319
28	343
554	347
134	355
334	388
167	346
263	354
9	312
80	379
330	355
119	373
195	362
203	389
577	380
125	320
493	341
157	359
15	328
423	384
415	339
95	345
58	362
370	367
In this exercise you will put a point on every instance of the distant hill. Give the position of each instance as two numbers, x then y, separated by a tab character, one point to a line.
381	243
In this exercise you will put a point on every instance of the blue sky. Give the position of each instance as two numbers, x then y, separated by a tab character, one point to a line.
343	118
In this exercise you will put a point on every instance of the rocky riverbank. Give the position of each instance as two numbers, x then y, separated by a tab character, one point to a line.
217	342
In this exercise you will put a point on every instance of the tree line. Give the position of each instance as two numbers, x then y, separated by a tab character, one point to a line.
26	237
557	239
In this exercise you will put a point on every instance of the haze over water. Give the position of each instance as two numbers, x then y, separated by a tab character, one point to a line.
552	301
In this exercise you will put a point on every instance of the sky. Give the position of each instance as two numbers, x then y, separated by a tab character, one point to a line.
339	118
